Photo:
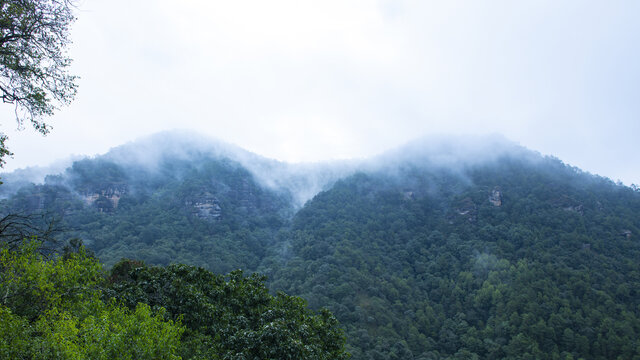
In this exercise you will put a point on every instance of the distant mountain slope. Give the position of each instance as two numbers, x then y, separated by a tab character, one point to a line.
175	201
173	197
517	256
455	248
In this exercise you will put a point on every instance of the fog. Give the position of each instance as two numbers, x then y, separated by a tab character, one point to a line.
452	152
302	81
302	181
151	153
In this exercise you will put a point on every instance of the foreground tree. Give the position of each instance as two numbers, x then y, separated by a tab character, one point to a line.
52	309
60	306
229	317
34	35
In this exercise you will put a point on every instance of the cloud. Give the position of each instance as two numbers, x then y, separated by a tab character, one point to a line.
308	80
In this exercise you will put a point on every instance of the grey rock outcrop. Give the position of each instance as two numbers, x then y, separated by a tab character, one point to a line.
105	199
205	206
467	209
495	198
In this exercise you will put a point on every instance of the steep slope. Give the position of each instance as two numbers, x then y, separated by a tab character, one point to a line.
196	206
445	248
515	256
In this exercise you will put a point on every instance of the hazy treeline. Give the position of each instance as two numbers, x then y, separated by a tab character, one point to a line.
445	248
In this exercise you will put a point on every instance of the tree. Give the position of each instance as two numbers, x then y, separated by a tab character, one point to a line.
230	317
34	35
52	309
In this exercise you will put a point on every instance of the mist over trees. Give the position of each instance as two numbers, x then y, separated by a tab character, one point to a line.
446	248
514	260
456	248
59	302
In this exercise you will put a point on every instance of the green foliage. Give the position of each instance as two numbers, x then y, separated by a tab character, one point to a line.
15	333
417	261
230	317
212	214
51	309
111	332
31	285
95	175
63	307
4	151
420	264
34	35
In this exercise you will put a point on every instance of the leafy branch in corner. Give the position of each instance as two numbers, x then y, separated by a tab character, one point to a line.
34	77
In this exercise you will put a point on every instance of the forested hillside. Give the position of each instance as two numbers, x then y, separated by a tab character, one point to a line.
512	259
197	207
466	248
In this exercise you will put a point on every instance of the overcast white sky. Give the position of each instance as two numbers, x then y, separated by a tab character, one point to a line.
309	80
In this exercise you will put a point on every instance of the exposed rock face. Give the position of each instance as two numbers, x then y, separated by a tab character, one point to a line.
205	206
408	195
467	208
106	199
568	204
576	208
495	198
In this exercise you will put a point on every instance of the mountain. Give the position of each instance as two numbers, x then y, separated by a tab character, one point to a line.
512	258
458	247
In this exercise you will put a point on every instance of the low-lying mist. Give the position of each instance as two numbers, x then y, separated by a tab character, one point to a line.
170	153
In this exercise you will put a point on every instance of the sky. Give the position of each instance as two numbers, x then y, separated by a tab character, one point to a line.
299	80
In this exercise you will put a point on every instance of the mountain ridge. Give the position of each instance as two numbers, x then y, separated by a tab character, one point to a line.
435	250
444	151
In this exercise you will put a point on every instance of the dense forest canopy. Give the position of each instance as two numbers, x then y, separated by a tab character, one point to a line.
62	306
456	248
